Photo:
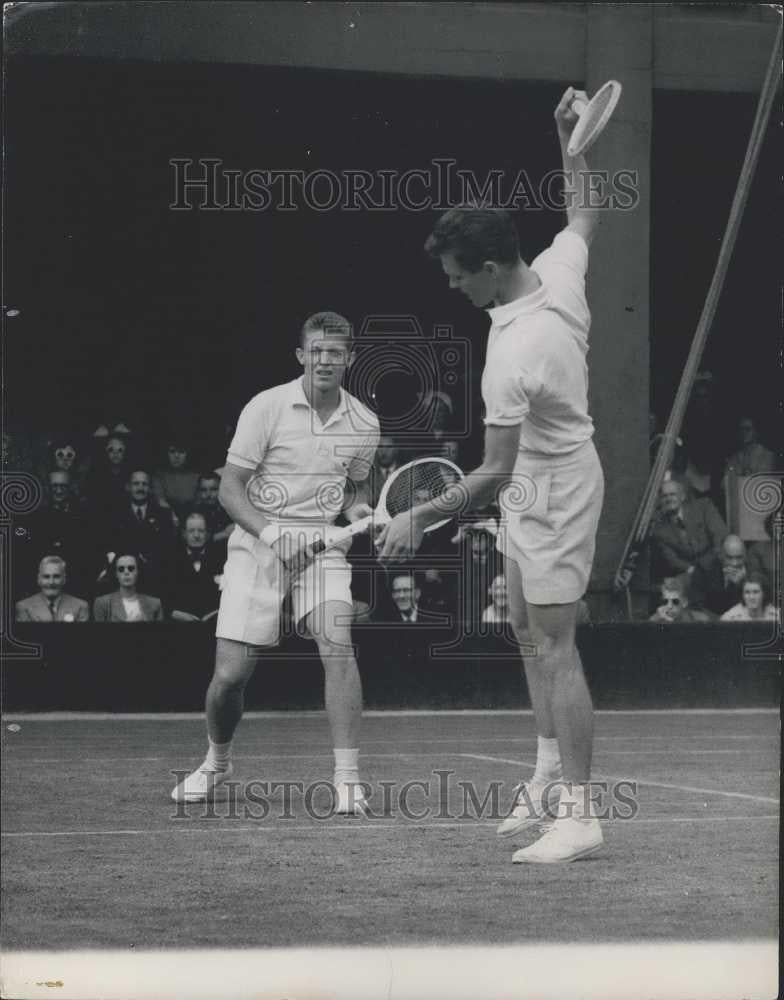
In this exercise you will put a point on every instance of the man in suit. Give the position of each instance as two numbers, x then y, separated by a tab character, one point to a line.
196	569
387	461
405	597
687	539
60	527
725	583
51	603
219	524
141	525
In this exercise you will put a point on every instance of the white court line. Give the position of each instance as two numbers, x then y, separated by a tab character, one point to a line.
259	757
355	825
368	714
365	756
670	970
639	781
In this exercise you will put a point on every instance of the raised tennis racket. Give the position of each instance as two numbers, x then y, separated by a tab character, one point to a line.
417	482
593	117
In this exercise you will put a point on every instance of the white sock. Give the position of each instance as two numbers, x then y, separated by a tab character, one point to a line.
218	756
346	766
548	761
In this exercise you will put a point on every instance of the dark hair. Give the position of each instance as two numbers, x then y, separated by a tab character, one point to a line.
332	324
207	475
764	584
474	235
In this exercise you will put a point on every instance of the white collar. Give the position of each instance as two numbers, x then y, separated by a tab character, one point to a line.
510	311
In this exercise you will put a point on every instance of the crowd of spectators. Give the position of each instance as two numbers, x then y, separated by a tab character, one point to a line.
126	533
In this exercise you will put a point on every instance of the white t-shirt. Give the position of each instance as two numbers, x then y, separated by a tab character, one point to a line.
302	465
535	370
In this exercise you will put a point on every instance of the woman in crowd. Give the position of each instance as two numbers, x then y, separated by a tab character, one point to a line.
126	604
175	485
755	604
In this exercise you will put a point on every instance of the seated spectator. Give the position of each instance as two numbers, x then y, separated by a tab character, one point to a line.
64	455
195	573
140	525
725	582
60	527
674	609
219	524
755	604
686	538
704	433
482	563
51	603
175	485
105	484
405	596
439	591
126	604
388	459
750	457
497	612
759	558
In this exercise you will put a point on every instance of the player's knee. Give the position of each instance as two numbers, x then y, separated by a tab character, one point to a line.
334	646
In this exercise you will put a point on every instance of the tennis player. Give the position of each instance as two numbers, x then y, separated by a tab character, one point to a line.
303	452
539	454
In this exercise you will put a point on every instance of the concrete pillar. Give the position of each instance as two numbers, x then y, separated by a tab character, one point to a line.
619	46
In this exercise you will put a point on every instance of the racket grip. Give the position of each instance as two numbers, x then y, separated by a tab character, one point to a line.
579	105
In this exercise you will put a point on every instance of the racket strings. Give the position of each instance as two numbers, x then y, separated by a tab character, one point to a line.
421	483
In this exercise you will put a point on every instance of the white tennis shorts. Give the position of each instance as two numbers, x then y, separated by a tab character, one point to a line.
550	514
253	589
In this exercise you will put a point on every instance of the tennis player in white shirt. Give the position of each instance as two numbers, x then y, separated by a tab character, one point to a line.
295	449
539	454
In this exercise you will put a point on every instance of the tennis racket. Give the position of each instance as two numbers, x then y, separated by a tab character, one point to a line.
594	116
421	481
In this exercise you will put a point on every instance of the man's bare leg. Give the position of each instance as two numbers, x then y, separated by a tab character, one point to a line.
234	666
557	671
538	795
225	696
330	626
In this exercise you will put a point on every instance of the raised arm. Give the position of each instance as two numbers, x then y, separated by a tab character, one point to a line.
581	216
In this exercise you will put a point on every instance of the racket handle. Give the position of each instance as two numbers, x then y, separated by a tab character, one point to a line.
579	105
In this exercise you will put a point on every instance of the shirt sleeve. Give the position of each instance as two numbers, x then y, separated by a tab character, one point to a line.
251	437
507	390
562	268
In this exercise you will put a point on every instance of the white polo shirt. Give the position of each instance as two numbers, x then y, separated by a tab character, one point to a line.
535	370
301	464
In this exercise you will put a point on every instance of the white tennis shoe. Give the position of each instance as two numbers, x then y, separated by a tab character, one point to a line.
350	798
567	839
202	785
535	802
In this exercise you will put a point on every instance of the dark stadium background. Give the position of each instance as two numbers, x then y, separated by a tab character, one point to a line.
132	311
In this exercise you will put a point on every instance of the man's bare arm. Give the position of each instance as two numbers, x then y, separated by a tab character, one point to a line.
234	499
583	219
